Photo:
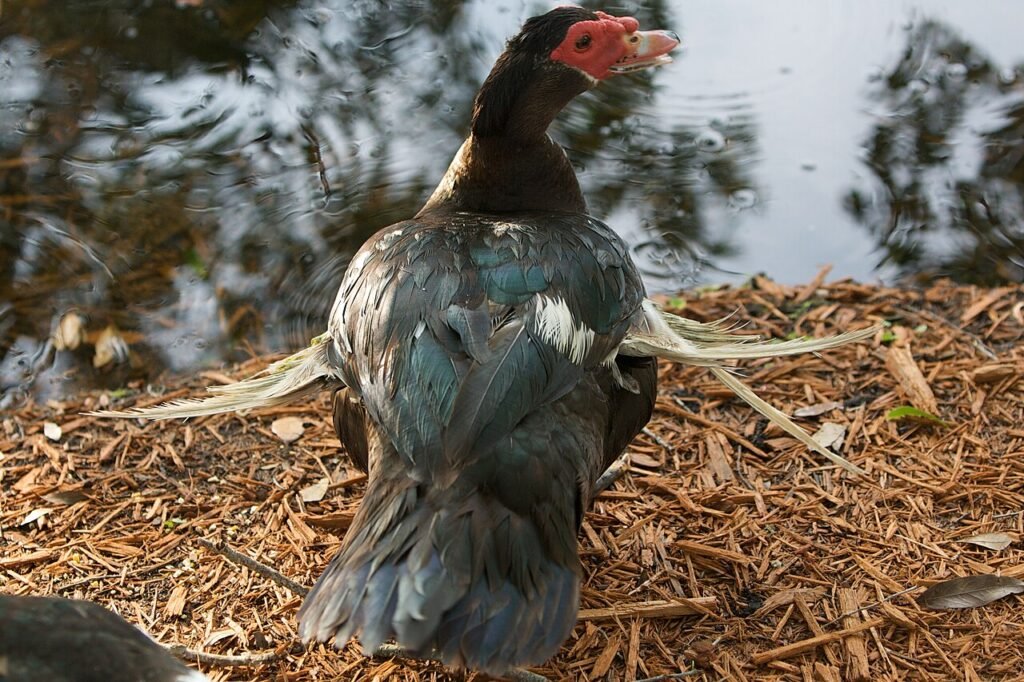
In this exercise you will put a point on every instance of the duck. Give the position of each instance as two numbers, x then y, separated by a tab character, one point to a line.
73	640
484	392
489	358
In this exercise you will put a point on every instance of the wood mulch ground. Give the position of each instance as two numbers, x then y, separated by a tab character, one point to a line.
726	551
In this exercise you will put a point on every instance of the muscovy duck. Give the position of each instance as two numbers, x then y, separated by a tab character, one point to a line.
485	394
67	640
490	358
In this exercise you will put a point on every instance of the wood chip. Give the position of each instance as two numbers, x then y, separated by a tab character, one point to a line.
900	363
176	601
607	655
810	595
857	666
718	505
796	648
691	547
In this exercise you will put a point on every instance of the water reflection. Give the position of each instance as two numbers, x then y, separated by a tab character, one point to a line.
190	176
948	156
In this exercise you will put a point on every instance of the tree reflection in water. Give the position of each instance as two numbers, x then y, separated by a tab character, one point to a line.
942	206
196	175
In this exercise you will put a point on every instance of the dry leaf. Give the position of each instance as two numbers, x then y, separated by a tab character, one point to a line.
65	496
288	429
996	541
35	515
315	492
969	592
52	431
70	332
830	435
218	635
819	409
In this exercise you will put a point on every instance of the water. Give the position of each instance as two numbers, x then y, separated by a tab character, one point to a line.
183	182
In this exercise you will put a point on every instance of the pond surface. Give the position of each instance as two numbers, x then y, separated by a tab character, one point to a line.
183	182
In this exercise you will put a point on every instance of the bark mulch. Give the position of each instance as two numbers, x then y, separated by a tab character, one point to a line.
726	551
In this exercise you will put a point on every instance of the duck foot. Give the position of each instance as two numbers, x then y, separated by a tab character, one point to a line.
514	675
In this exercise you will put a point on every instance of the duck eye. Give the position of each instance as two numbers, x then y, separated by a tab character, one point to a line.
583	42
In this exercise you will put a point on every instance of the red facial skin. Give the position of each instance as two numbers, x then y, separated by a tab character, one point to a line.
594	46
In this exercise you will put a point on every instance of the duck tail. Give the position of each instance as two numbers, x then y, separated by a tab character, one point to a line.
460	579
284	381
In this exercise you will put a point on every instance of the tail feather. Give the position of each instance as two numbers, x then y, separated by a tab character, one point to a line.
677	339
284	381
427	577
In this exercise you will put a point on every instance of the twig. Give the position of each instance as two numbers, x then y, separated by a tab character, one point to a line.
653	609
253	565
672	676
658	439
222	660
956	328
870	606
802	646
679	409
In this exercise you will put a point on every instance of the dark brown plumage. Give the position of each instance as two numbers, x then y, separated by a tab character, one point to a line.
50	639
478	343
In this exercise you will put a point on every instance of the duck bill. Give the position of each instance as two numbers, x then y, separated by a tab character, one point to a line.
646	49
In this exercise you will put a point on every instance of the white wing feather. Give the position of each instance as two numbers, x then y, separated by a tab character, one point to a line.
678	339
280	383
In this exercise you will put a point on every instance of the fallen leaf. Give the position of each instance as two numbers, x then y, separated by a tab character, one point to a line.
288	429
910	412
819	409
830	435
65	497
996	541
52	431
315	492
969	592
35	515
217	636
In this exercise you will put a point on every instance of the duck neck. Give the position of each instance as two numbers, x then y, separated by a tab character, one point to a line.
509	163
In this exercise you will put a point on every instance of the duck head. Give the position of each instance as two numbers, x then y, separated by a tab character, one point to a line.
557	56
509	163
